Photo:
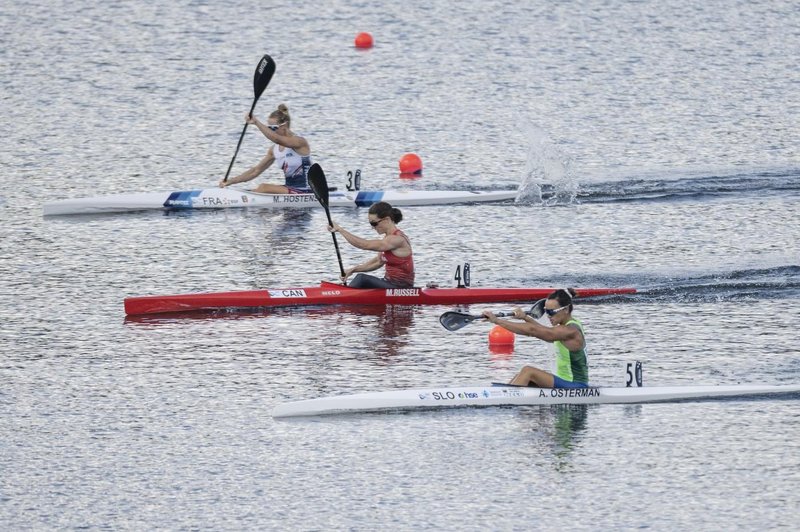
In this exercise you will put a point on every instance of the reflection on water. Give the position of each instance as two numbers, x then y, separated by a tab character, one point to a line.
392	326
501	351
395	319
558	428
286	222
384	328
569	421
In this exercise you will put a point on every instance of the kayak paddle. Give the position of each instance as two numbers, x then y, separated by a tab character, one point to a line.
319	185
264	72
453	321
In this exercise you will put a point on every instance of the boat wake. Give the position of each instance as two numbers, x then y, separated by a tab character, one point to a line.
778	282
670	189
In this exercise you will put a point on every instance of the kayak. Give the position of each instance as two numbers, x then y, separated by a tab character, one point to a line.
230	197
506	395
336	294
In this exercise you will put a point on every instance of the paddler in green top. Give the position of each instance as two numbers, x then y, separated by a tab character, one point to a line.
566	334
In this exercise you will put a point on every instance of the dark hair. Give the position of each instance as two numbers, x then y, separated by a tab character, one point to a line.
281	114
383	210
563	296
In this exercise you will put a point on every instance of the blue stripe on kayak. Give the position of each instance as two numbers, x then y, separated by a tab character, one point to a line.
181	199
365	199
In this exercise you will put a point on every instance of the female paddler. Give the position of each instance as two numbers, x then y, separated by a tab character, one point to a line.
291	152
566	335
394	250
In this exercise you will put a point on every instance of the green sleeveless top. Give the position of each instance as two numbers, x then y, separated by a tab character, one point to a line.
572	365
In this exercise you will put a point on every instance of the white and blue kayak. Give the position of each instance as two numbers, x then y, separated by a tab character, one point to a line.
231	197
504	395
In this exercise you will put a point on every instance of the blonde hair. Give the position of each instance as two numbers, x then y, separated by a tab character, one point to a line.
281	114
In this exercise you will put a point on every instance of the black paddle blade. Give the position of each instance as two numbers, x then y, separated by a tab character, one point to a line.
453	321
318	184
264	72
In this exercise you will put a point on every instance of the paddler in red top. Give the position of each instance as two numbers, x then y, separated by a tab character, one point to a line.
394	251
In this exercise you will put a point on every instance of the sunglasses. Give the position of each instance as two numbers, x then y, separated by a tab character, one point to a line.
554	311
375	224
275	127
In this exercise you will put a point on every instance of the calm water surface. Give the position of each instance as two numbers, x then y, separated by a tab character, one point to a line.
655	145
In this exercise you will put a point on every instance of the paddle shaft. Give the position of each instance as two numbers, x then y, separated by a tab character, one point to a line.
239	144
335	242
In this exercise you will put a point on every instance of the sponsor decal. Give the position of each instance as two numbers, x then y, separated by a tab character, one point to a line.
424	395
402	292
294	198
331	292
447	395
287	293
569	392
245	199
182	200
365	199
504	392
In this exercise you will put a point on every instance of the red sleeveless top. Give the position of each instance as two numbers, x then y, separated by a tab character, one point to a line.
399	270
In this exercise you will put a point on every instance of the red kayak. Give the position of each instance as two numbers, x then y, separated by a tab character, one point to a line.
336	294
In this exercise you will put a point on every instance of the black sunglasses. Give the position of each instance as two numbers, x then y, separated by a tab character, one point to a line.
554	311
375	224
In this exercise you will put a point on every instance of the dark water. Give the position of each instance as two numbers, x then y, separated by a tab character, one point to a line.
655	146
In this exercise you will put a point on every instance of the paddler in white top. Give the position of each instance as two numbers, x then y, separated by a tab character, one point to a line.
291	151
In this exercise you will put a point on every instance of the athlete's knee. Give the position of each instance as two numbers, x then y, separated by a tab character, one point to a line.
357	282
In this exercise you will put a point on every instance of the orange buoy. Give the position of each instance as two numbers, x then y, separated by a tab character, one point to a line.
363	40
500	336
410	163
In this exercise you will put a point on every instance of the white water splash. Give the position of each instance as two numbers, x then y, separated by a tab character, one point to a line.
548	177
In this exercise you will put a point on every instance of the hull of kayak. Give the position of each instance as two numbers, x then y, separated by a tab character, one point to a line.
336	294
494	395
226	198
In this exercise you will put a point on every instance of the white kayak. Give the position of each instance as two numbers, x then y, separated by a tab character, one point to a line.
230	197
503	395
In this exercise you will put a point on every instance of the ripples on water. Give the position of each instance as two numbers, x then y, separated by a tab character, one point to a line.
656	146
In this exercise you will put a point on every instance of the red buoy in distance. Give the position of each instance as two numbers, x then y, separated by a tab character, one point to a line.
363	40
410	163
